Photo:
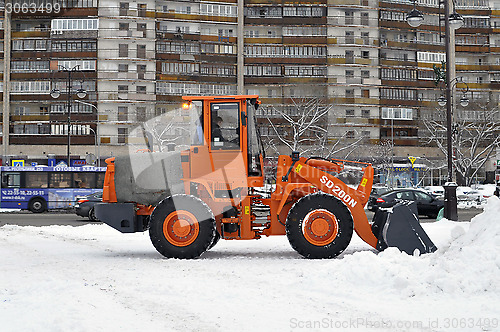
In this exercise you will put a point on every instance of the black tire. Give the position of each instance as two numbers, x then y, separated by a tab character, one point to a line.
92	216
182	226
37	205
214	242
335	226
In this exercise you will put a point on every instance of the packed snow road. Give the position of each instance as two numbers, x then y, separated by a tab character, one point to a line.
92	278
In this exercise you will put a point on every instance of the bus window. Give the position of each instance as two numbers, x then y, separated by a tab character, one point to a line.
36	180
100	180
84	180
11	180
60	180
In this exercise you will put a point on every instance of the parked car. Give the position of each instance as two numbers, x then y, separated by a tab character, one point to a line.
84	207
377	191
437	191
427	204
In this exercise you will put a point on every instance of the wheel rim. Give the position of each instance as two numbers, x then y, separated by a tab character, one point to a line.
181	228
320	227
37	205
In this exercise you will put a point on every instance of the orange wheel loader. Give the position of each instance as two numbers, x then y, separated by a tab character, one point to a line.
211	187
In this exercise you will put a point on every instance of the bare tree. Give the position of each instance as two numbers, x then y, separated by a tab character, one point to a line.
305	129
475	138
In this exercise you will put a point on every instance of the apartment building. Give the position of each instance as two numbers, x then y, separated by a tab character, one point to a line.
136	58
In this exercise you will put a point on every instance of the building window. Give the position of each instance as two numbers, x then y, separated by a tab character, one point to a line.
142	27
365	113
349	93
364	19
122	113
141	9
349	37
68	24
365	74
349	73
397	113
349	17
122	135
365	54
124	8
141	89
123	26
349	113
141	71
349	56
141	51
122	88
350	134
122	68
365	93
123	50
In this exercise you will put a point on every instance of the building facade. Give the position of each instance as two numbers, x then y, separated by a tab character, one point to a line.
136	58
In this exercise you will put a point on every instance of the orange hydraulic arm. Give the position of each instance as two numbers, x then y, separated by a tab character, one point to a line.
312	172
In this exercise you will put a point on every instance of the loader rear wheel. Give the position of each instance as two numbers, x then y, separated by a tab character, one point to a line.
319	226
182	226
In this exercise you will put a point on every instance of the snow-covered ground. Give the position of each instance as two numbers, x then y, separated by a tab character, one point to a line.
92	278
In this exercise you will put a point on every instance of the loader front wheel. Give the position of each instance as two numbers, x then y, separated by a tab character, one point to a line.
319	226
182	226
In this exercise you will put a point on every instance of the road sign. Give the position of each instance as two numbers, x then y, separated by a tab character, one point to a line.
412	159
18	163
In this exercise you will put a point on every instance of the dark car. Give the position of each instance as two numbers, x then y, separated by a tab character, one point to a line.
427	204
376	192
84	207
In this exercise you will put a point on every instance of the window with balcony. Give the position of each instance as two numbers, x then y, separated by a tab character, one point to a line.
349	37
349	17
124	6
365	19
71	24
122	135
397	113
180	68
122	113
123	50
141	27
29	66
141	71
141	51
141	9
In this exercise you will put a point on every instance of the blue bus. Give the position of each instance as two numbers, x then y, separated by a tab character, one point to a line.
40	188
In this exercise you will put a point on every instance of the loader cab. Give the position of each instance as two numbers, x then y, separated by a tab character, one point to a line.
230	137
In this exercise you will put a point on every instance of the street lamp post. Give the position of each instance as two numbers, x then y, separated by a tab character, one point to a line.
80	93
455	21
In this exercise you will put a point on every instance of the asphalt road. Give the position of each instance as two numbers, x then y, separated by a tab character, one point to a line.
25	218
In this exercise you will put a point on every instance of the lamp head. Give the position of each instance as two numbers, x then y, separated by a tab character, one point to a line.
441	101
464	101
415	18
456	21
81	93
55	93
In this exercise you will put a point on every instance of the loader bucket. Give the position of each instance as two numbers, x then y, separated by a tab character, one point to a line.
396	224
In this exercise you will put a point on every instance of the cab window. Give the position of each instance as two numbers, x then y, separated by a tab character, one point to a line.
225	126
